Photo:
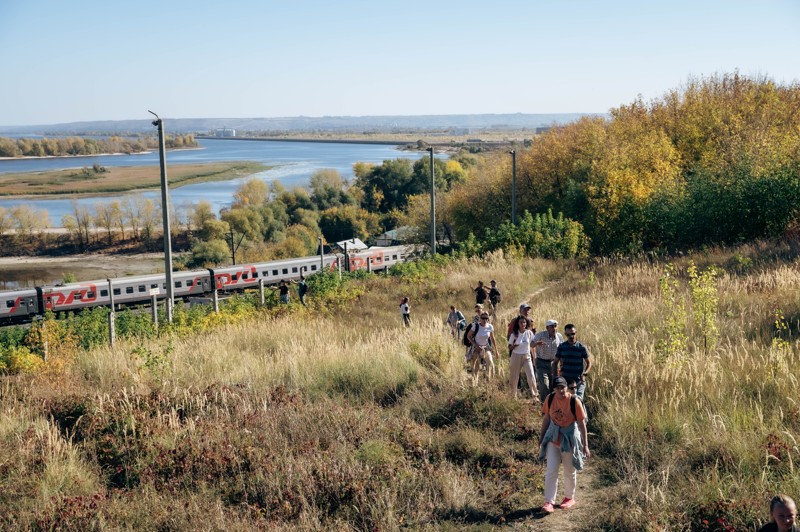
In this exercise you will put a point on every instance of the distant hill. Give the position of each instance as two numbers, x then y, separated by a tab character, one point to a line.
513	121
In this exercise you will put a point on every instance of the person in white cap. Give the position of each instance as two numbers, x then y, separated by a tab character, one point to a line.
546	343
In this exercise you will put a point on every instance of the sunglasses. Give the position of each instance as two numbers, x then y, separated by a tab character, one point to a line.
573	387
570	335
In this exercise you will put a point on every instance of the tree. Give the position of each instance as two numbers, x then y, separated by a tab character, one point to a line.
242	223
83	221
389	185
69	223
211	253
5	221
327	189
251	193
341	223
149	213
27	221
106	218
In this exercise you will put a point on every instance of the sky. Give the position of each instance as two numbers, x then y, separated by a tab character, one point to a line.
99	60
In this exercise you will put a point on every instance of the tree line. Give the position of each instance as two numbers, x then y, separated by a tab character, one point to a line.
58	147
715	162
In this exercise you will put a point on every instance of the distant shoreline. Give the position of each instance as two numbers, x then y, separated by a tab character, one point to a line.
24	157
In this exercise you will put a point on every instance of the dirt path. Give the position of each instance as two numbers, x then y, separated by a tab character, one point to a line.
591	494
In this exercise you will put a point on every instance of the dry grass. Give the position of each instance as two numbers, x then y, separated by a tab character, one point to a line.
120	179
352	421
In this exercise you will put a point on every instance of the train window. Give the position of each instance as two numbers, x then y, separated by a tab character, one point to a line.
103	293
78	296
9	303
128	289
244	276
313	267
235	277
190	283
118	291
164	286
394	257
142	288
178	284
90	295
286	270
154	285
274	272
294	270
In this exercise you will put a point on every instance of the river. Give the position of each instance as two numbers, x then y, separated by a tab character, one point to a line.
294	163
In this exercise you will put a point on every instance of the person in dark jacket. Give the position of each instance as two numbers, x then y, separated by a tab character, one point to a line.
783	514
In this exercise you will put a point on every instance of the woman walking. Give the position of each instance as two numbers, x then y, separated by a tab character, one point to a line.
482	341
520	345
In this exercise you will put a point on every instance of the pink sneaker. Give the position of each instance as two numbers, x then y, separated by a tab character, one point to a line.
548	507
566	504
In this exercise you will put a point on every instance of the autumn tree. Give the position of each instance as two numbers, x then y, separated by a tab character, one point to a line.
251	193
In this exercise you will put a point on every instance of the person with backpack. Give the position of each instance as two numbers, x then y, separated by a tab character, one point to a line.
481	293
520	344
563	440
495	297
483	342
456	321
476	319
302	289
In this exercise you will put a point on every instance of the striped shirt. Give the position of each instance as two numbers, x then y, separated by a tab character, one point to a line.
548	350
572	360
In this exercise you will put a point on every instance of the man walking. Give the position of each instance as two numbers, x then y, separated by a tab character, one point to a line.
546	343
480	293
563	441
572	360
494	296
456	321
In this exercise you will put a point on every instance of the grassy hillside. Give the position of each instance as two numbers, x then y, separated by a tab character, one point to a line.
338	417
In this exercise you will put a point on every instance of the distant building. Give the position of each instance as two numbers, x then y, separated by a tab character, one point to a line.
353	245
395	236
225	132
543	129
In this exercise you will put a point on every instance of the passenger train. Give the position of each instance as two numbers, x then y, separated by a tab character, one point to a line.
23	305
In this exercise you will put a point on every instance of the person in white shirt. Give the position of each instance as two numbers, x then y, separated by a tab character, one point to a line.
483	342
520	344
546	343
405	311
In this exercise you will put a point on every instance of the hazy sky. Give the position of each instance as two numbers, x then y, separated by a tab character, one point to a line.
99	60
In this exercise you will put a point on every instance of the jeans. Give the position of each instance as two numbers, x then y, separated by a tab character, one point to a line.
581	389
544	377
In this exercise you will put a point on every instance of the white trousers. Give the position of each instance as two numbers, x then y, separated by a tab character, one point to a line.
518	362
556	458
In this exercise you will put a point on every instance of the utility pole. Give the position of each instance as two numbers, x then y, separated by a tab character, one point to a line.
433	207
158	122
513	187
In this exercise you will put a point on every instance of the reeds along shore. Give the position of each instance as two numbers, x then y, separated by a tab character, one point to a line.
345	418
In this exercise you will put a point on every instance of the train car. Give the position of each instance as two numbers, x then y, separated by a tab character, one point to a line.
137	289
243	276
380	258
18	305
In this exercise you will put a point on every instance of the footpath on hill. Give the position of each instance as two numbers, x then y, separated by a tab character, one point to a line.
592	493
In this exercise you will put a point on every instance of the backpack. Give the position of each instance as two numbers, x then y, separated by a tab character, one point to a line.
495	296
572	403
465	339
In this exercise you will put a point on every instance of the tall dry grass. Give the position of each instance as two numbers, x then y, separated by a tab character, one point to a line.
347	419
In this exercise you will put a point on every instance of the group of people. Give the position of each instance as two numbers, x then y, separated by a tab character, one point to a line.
555	368
283	290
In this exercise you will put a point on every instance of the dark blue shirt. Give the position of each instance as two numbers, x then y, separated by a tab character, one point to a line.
572	360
